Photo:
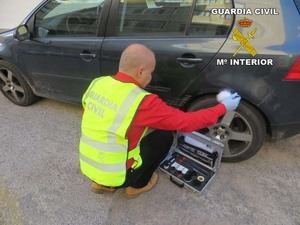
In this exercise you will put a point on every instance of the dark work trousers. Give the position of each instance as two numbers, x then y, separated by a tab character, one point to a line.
154	148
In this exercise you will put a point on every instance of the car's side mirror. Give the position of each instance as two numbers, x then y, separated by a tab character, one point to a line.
22	33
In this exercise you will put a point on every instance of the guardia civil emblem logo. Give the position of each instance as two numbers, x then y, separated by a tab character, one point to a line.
244	40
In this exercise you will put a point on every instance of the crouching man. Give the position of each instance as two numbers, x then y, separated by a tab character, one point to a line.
115	150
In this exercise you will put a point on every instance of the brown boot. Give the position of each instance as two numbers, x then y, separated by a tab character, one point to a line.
100	189
131	192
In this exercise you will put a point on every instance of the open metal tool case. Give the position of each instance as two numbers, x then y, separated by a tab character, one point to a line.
193	160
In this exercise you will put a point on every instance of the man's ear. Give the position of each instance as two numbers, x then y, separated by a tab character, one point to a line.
140	70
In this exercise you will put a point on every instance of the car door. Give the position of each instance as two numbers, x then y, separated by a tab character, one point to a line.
183	34
63	55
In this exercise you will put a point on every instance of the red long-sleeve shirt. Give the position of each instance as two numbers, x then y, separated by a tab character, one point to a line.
155	113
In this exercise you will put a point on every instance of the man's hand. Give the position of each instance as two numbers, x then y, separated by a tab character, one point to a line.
225	93
232	102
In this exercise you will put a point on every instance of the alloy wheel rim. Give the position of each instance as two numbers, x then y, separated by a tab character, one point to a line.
10	85
234	132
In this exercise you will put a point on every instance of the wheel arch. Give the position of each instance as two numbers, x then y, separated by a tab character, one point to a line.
26	78
213	94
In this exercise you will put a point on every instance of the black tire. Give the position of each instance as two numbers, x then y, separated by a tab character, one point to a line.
13	85
246	121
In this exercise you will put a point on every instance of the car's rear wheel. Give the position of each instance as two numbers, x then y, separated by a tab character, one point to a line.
13	85
242	132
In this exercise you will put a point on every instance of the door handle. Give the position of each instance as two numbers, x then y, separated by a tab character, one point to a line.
188	63
88	55
189	60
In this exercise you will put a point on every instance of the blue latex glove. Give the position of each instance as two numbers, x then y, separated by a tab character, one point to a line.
232	102
225	93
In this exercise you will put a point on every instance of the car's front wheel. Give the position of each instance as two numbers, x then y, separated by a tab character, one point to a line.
242	132
13	85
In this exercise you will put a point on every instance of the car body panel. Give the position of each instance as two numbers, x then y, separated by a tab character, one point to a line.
167	68
278	38
58	69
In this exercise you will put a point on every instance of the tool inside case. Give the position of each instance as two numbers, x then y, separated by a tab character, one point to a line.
193	160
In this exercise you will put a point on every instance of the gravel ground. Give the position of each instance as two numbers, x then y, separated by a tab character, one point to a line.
40	181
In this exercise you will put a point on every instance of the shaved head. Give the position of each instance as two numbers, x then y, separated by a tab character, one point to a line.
137	61
135	55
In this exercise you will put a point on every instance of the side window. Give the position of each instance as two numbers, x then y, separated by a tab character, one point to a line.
205	24
158	17
68	18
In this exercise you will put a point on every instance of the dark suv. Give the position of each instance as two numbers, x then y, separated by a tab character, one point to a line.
201	46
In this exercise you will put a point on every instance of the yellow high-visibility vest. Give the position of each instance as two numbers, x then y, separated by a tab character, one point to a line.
109	108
